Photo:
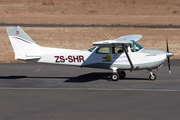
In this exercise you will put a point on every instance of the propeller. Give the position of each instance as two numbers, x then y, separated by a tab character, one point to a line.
168	57
169	54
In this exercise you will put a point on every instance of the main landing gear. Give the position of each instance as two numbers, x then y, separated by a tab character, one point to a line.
118	75
121	75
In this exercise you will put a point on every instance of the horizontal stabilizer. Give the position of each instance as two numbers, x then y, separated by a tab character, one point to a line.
29	58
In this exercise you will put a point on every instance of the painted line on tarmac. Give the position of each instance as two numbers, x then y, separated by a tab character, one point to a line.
95	89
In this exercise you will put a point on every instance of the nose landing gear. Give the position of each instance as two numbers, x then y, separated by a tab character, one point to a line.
152	76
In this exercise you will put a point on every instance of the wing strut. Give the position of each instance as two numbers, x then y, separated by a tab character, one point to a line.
132	67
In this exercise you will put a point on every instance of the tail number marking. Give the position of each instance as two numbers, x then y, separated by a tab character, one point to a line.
62	59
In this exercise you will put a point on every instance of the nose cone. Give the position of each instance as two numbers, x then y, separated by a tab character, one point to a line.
169	54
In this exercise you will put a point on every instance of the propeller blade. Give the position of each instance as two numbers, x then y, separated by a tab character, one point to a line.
168	57
169	65
167	45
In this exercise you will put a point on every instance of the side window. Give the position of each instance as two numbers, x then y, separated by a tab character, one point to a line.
117	49
92	49
132	48
135	47
104	50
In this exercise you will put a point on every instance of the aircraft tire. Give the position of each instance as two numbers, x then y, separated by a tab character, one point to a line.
122	74
152	78
115	77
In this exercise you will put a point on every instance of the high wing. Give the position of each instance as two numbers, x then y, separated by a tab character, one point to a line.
129	38
119	41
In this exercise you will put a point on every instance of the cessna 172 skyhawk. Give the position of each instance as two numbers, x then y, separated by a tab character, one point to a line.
120	54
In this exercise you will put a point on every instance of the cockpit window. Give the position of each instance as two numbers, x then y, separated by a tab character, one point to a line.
92	49
103	50
135	47
117	49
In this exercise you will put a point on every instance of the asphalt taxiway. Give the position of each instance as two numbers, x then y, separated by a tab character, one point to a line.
44	91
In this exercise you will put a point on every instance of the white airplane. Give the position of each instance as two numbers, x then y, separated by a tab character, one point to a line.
120	54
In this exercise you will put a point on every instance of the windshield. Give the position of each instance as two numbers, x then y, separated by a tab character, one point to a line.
135	47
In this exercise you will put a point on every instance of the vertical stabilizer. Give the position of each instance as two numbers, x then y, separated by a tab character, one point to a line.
24	47
18	33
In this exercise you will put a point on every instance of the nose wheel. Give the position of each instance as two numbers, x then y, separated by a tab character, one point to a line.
152	76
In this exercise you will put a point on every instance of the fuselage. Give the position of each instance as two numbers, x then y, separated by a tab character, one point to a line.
120	54
106	57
